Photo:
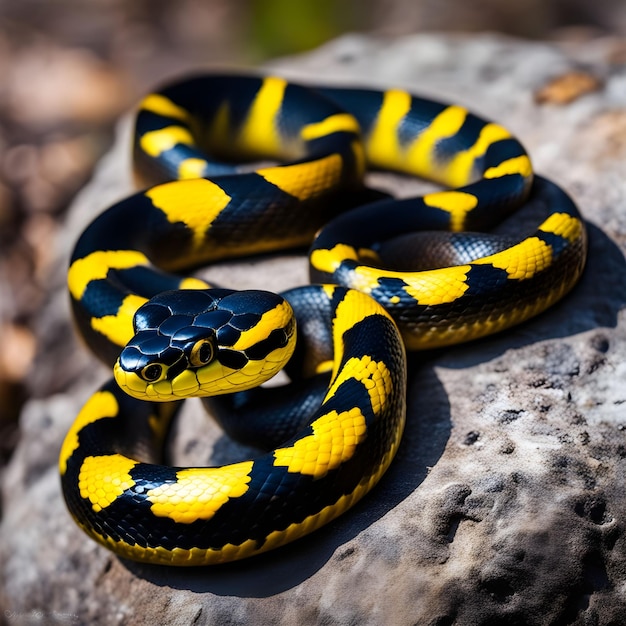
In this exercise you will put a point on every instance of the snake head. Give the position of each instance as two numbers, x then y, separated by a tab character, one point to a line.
205	342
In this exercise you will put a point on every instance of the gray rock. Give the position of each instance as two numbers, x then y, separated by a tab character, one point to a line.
505	504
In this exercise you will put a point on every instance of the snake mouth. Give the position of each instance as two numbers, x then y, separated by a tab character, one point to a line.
213	379
165	387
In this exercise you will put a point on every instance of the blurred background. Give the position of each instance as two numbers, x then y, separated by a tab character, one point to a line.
70	68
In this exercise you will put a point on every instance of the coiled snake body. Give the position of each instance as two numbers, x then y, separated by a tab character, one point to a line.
336	428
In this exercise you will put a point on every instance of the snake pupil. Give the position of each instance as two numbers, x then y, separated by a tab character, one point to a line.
152	372
201	353
205	352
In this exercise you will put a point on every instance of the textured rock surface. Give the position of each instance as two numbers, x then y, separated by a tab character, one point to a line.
506	501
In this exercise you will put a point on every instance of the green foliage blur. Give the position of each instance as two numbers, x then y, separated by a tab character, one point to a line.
280	27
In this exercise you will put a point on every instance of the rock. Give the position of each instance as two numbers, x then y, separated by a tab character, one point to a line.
505	504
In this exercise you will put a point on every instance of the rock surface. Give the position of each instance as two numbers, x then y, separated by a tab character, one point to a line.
505	504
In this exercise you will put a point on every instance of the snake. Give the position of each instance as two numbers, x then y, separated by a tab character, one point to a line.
236	165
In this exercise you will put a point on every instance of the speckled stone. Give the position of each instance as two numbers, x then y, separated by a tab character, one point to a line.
505	504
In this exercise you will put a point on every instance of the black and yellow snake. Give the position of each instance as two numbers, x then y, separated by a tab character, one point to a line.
335	429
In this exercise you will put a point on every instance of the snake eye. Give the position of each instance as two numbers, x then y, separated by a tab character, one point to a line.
151	373
201	353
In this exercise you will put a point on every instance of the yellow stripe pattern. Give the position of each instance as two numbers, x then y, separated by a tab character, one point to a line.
522	261
96	266
457	203
161	105
156	142
383	147
306	180
260	132
198	493
419	155
100	405
334	440
119	327
195	203
102	479
340	122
